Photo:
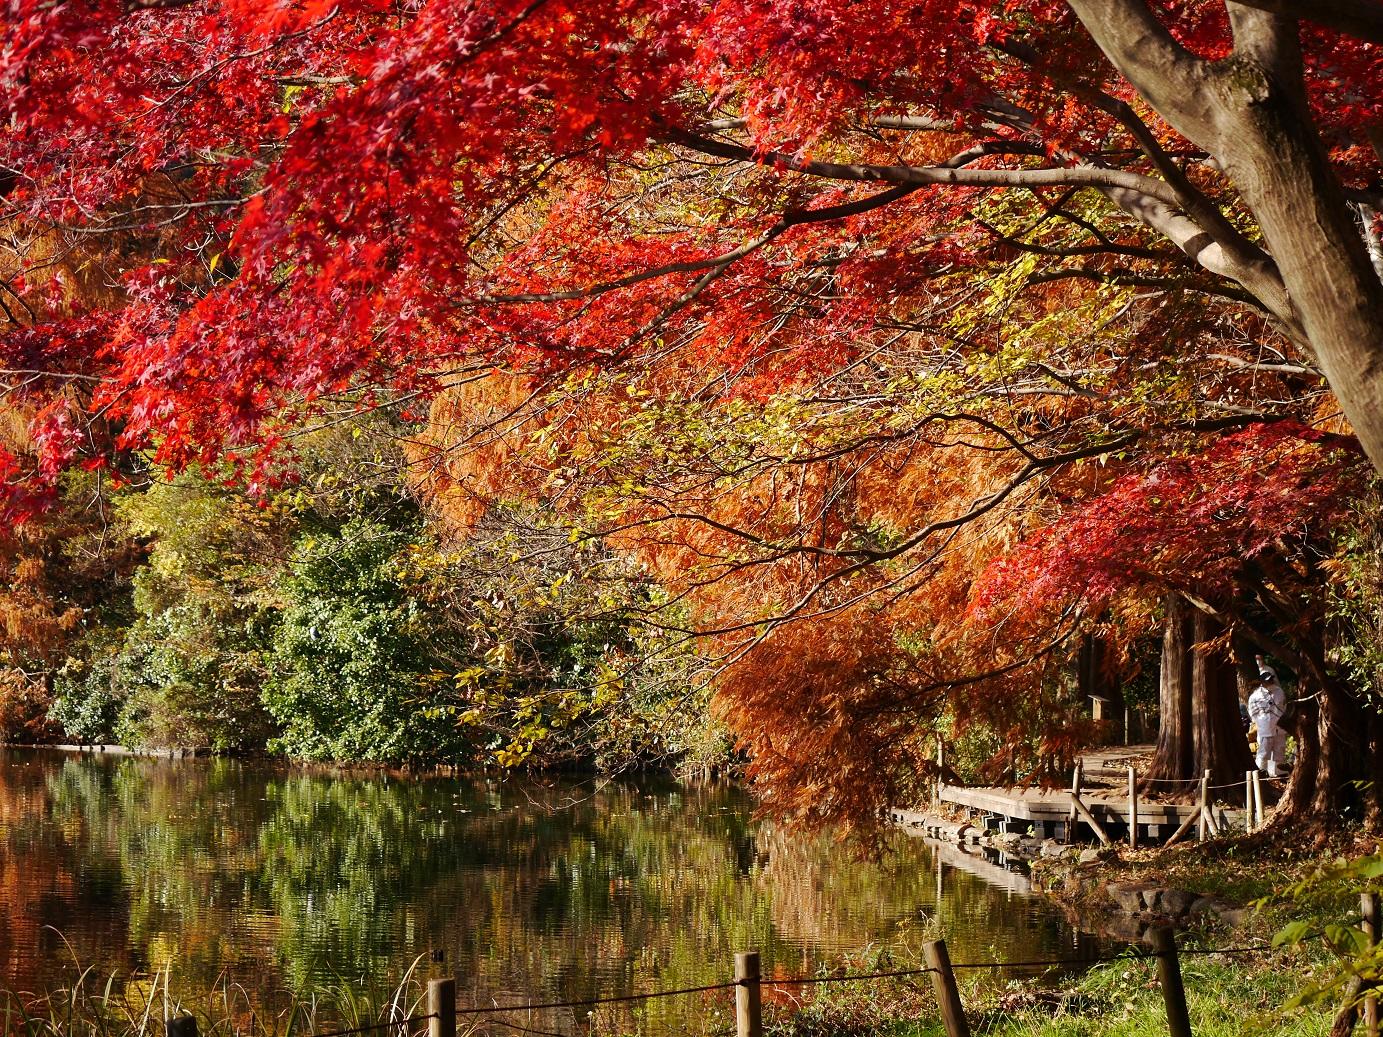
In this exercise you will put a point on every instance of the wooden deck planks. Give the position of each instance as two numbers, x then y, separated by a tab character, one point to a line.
1055	805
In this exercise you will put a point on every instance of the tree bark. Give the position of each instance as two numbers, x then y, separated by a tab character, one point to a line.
1272	152
1338	759
1250	111
1342	734
1174	758
1199	726
1217	732
1096	682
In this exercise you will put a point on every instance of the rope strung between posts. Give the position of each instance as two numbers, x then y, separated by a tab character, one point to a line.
1195	782
597	1000
378	1026
807	980
525	1029
848	978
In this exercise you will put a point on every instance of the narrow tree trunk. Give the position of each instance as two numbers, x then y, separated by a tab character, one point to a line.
1301	785
1245	663
1373	788
1098	684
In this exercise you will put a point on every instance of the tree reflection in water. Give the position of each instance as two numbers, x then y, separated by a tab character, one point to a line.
283	878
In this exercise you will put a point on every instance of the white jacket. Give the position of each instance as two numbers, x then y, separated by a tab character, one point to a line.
1266	706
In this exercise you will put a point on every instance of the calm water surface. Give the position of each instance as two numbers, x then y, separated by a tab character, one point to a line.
281	879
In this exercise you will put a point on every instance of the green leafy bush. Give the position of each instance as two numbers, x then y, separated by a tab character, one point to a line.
348	657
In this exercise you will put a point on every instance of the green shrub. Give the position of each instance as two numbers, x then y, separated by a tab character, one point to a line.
350	653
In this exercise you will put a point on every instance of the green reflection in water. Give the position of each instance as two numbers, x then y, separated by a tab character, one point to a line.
283	879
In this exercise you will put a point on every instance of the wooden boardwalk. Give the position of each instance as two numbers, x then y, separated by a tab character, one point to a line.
1051	813
1046	811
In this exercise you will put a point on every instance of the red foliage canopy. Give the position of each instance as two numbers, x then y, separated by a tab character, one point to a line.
1187	523
299	200
358	192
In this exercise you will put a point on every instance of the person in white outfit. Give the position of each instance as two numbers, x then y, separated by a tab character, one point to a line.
1266	706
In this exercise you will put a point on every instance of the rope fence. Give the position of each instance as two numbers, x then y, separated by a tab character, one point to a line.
370	1027
599	1000
443	1009
1213	788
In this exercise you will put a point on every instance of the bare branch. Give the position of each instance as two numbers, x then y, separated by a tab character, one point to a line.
929	176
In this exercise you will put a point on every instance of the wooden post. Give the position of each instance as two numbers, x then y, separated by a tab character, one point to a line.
940	767
1076	780
1090	819
1368	907
1257	799
1185	827
1204	802
1248	802
944	985
1169	977
749	1019
182	1026
441	1008
1132	807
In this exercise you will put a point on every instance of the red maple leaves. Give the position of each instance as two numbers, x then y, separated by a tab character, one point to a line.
1190	523
331	196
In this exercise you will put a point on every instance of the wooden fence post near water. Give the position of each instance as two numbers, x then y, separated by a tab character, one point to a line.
1207	825
1079	809
749	1019
1169	978
441	1008
940	768
1077	779
1132	807
944	984
1368	907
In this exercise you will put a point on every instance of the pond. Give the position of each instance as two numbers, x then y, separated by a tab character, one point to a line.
280	878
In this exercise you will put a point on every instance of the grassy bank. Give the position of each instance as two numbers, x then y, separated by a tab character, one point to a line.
115	1005
1228	995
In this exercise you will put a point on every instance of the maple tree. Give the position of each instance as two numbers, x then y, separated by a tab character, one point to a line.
1236	532
765	280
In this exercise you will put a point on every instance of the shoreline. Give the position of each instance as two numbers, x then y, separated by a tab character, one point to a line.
1078	878
362	767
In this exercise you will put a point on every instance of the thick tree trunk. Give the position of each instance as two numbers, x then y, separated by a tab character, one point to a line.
1174	758
1273	153
1345	765
1198	693
1338	762
1250	111
1219	743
